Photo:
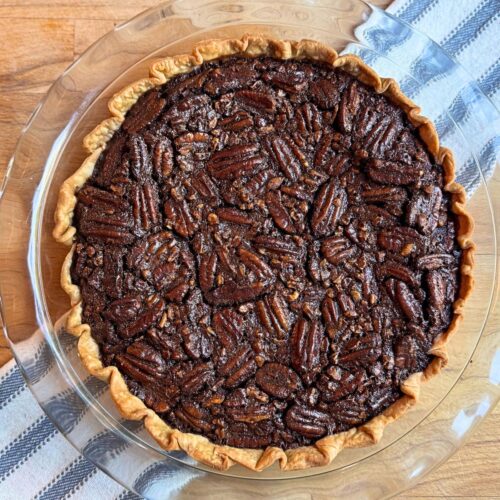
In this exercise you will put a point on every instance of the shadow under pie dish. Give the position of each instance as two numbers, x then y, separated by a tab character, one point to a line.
269	252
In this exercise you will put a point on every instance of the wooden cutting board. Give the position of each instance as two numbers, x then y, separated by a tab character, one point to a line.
39	40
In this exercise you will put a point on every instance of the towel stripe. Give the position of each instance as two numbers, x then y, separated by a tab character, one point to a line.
414	11
69	410
40	365
69	480
469	176
105	443
43	359
12	385
470	28
490	81
458	111
128	495
455	43
25	446
7	373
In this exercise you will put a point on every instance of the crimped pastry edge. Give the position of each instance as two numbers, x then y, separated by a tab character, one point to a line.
324	451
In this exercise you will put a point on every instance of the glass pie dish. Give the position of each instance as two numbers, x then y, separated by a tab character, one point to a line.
50	149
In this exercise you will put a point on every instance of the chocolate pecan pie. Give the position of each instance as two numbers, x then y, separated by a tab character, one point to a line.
269	252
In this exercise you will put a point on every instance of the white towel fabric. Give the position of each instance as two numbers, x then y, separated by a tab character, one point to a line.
36	461
466	30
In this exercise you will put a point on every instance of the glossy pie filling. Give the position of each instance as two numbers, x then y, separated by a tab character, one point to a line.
265	252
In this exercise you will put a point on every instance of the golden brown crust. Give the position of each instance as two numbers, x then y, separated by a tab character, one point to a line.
199	447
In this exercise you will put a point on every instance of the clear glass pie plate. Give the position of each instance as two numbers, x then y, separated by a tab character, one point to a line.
33	302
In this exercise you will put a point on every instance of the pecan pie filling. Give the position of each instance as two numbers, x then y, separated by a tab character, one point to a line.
266	252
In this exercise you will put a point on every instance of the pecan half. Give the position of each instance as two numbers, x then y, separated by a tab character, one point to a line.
142	362
228	326
337	249
287	156
435	261
197	378
323	151
235	283
437	285
105	217
329	206
395	239
145	206
308	422
394	173
423	210
245	438
232	78
254	186
194	416
123	310
380	136
278	248
277	380
140	162
349	411
204	186
279	213
149	106
148	318
361	351
274	316
349	107
347	305
385	194
288	79
207	270
401	272
234	293
239	121
255	264
324	93
162	260
251	414
405	354
197	344
309	121
235	216
409	304
330	311
163	158
306	340
239	367
113	280
337	165
235	161
112	161
178	217
256	101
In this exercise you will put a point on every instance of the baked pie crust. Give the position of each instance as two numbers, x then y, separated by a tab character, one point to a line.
131	407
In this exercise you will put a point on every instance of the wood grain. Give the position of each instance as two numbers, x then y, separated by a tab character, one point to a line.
40	39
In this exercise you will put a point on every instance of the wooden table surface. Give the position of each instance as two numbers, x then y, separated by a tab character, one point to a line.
39	40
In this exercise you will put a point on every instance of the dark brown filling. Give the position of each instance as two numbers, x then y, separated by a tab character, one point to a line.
265	251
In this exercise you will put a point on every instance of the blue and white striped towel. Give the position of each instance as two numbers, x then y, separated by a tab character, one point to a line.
36	461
